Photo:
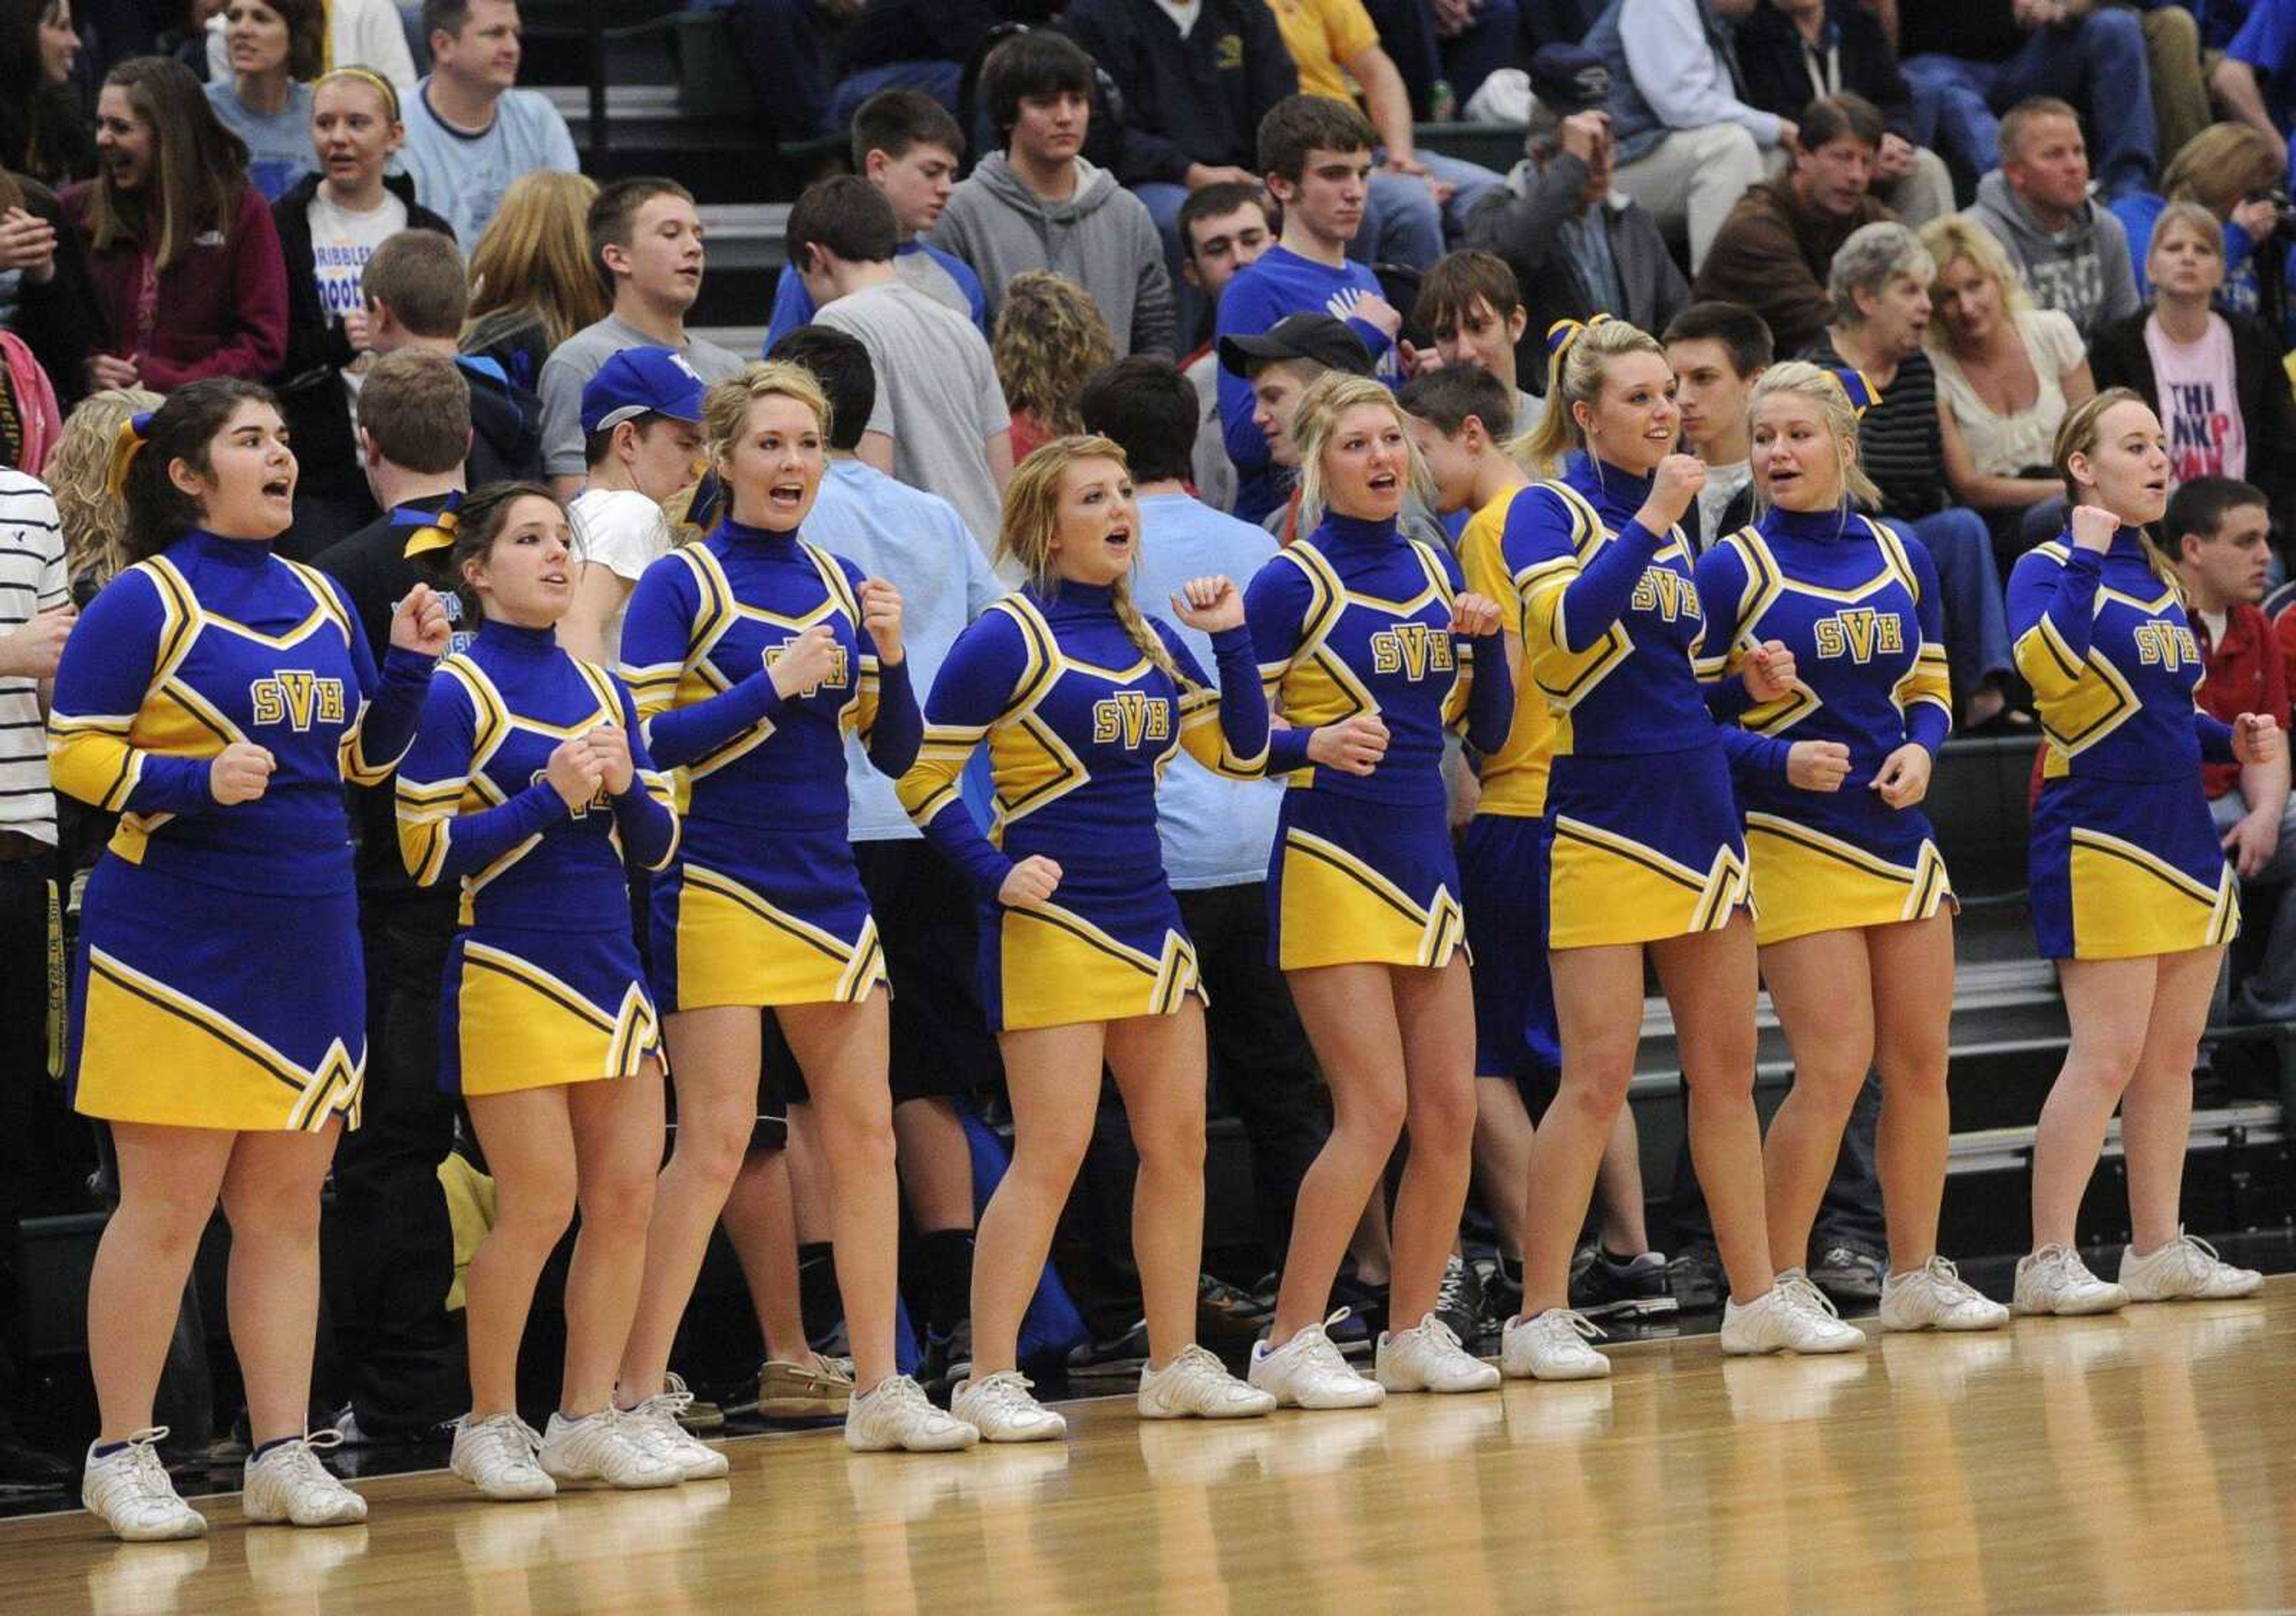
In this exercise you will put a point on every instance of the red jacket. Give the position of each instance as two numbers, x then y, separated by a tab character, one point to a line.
2245	674
220	309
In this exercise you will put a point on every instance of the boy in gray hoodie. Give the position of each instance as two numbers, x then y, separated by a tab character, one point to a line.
2071	248
1038	205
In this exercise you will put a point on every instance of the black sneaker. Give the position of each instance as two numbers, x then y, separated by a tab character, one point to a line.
1223	1310
1849	1273
1695	1277
1123	1353
21	1464
1502	1288
945	1360
1366	1305
1637	1288
1459	1301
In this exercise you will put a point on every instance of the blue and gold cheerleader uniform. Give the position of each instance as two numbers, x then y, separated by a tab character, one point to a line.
543	985
2125	859
762	903
1080	724
1643	841
218	980
1859	608
1356	619
1502	850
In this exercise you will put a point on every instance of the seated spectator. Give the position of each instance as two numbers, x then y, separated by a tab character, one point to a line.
1471	304
2007	373
645	241
2069	248
2218	536
416	298
2215	378
1688	144
1224	229
531	283
360	33
1050	341
2256	76
181	248
470	133
1316	155
790	48
1774	252
329	226
1879	286
79	471
2237	174
940	422
1579	246
275	48
906	144
921	44
1718	351
43	131
642	435
1970	61
1038	205
1790	50
45	297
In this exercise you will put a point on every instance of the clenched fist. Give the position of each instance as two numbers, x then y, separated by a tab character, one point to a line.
240	773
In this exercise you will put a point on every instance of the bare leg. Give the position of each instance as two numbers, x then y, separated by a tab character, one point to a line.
1820	985
271	1194
1159	1062
1913	1039
1370	1244
810	1177
1710	981
1503	1136
1598	1002
1052	1075
169	1179
936	1162
2156	1111
762	1226
529	1145
1618	1189
618	1128
2110	1004
1435	1015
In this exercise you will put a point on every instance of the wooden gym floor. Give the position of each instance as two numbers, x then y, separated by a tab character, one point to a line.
2146	1462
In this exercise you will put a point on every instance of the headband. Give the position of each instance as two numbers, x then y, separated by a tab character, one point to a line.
428	530
1563	333
134	433
369	76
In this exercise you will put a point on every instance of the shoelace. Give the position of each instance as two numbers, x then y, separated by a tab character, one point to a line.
1316	1345
1451	1295
145	1475
302	1457
1193	1361
1804	1294
1436	1330
1947	1278
667	1405
1006	1391
512	1437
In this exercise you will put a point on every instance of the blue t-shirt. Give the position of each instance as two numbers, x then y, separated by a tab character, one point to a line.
279	150
2266	42
942	277
462	176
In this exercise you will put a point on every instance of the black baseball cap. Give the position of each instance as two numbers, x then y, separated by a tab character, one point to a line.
1319	338
1569	78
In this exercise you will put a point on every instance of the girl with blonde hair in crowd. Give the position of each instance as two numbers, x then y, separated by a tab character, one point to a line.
79	471
1050	341
532	281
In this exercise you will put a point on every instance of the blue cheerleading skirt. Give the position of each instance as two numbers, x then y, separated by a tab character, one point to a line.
2121	869
1108	945
1641	848
756	917
523	1009
1356	882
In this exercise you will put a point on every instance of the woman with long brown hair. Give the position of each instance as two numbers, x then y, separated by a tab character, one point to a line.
532	282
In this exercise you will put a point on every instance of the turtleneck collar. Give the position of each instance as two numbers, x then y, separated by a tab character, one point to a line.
1815	526
1342	529
743	533
231	552
2129	541
517	639
1621	490
1066	592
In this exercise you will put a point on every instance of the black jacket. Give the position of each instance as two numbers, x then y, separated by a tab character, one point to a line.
505	427
310	383
1771	55
58	322
2119	358
1197	100
935	30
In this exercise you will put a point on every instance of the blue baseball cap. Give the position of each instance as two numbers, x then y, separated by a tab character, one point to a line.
642	382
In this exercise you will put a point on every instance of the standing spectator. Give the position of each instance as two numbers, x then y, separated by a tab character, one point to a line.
2215	378
1578	246
2256	76
1224	230
181	248
531	283
45	299
642	435
360	33
1774	251
906	144
329	226
789	47
416	294
470	133
645	241
1050	341
1968	61
1790	50
1689	143
2069	248
1718	351
940	422
1472	304
276	48
1038	205
43	125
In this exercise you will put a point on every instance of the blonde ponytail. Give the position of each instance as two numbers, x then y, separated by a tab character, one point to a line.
1032	507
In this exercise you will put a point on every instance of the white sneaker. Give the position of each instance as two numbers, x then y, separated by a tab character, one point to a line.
2185	1269
610	1447
496	1456
1551	1347
287	1483
1935	1297
1195	1382
1428	1357
999	1405
896	1413
2055	1280
655	1419
1308	1372
1792	1315
129	1488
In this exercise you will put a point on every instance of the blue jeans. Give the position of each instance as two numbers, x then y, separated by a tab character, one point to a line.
783	45
1486	46
941	80
2097	63
1403	225
1960	546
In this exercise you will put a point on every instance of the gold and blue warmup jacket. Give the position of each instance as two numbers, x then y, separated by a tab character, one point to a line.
2125	859
200	910
1858	608
1080	724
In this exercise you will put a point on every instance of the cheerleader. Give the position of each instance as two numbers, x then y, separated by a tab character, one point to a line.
216	697
1643	844
527	783
1374	647
750	654
1083	702
1854	918
2131	893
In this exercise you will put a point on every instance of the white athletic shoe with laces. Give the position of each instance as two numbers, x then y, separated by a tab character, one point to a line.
1308	1372
1197	1384
2188	1269
2055	1280
496	1456
287	1483
1935	1297
1792	1315
896	1413
1429	1358
655	1421
1551	1347
131	1491
1000	1408
610	1447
